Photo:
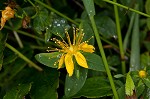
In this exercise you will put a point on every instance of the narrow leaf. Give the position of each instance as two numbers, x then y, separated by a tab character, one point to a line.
147	6
135	46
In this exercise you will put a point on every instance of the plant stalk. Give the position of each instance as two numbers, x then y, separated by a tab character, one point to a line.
120	39
104	57
128	8
23	57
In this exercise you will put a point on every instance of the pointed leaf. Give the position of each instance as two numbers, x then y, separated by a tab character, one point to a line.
135	46
48	59
129	86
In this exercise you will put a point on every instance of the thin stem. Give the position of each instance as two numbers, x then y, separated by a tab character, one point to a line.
23	57
128	8
29	35
120	39
104	57
16	36
57	12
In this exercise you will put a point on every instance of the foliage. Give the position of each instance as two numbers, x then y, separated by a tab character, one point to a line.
107	43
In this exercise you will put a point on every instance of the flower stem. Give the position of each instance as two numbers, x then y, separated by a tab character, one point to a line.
104	57
16	36
120	39
57	12
23	57
128	8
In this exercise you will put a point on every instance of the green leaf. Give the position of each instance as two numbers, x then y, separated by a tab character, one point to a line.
113	60
89	6
40	21
74	83
59	25
147	8
95	87
48	59
129	85
106	26
45	84
118	76
94	61
148	22
146	44
140	89
88	31
3	37
145	59
135	45
146	82
121	92
18	92
48	35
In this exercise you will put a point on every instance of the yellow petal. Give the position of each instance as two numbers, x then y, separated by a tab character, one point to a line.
87	48
69	64
61	61
81	60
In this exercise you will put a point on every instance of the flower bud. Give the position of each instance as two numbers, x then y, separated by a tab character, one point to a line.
142	73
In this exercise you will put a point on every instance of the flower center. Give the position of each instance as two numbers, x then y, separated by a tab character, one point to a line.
72	49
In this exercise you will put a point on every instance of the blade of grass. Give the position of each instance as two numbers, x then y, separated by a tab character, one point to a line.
135	45
126	39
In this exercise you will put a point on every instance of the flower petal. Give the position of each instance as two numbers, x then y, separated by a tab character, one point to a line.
61	61
81	60
69	64
87	48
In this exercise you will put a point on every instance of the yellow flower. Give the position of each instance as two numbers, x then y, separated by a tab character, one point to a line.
71	50
6	15
142	73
